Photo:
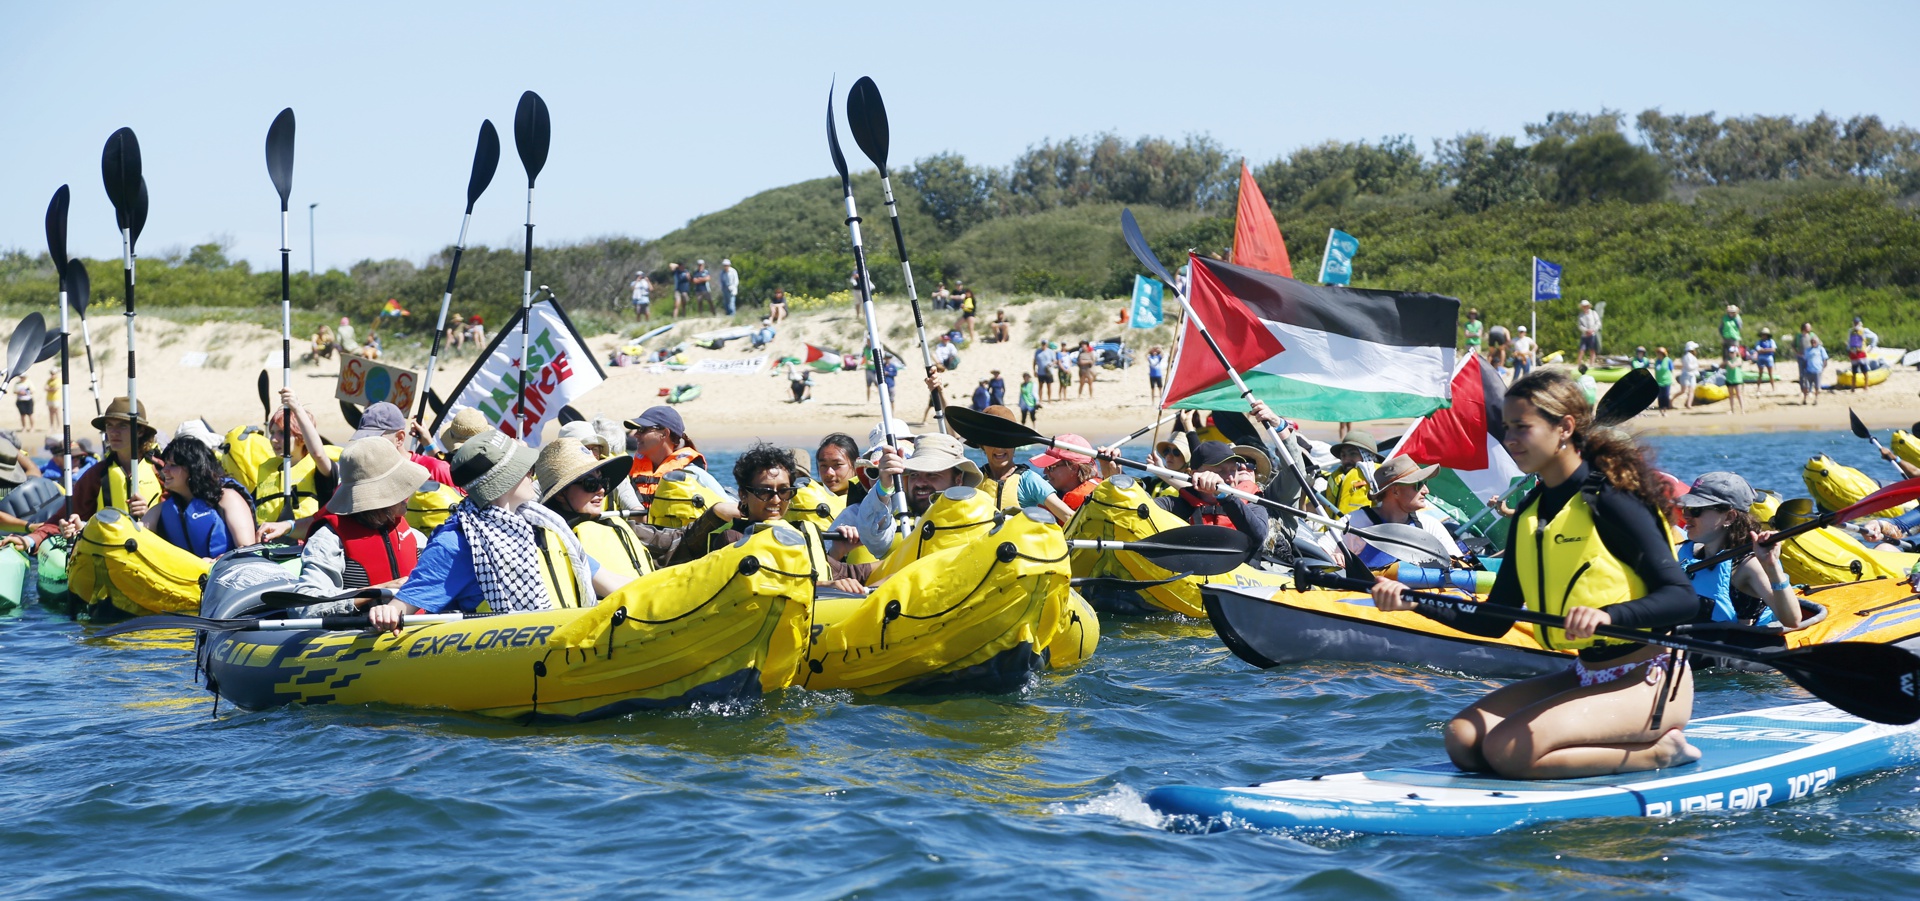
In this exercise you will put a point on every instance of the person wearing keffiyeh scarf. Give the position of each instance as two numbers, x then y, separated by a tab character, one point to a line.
489	551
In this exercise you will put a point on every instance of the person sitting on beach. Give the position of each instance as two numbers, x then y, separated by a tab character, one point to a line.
574	484
500	551
1750	588
362	538
1589	545
314	475
660	436
764	475
1399	496
203	511
1002	328
1348	484
945	355
1216	465
935	463
763	335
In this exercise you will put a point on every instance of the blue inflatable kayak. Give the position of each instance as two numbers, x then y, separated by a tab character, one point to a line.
1755	759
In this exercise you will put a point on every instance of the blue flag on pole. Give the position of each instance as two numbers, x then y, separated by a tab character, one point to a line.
1147	293
1336	268
1546	280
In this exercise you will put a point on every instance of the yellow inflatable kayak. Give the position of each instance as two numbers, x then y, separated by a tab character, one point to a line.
1830	555
728	626
981	615
1905	446
1877	371
1835	486
1120	509
115	569
1710	391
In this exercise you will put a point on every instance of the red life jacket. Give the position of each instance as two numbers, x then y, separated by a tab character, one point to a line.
1073	499
1200	516
373	557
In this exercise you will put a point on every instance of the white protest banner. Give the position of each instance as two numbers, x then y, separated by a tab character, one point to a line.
559	369
748	366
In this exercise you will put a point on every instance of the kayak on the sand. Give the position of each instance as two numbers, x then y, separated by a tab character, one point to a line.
1751	760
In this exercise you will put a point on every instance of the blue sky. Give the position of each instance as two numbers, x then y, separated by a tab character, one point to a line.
662	112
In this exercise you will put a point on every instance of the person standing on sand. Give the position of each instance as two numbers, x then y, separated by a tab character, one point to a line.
682	285
642	296
1763	351
1523	353
1474	328
729	286
1730	330
54	422
23	400
1861	343
702	287
1029	401
996	390
1813	365
1663	377
1800	340
1689	373
1156	372
1589	323
1085	361
1735	378
1043	370
1497	347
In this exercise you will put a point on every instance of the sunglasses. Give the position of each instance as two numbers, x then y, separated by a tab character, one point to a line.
593	484
767	494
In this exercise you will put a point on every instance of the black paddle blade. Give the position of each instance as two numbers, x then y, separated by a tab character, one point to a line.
171	621
569	414
57	226
1878	682
1205	550
25	344
981	430
486	159
266	395
1114	583
532	132
120	171
351	414
1859	428
138	222
74	280
833	145
1629	397
434	403
49	348
1137	242
280	155
1794	512
867	118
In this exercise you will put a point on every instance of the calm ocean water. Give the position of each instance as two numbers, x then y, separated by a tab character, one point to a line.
123	783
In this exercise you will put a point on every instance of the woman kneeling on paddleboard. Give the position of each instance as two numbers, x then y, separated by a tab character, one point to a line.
1587	545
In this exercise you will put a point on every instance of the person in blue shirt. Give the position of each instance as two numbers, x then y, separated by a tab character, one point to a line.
1751	588
996	390
982	397
492	551
1763	351
682	286
1156	371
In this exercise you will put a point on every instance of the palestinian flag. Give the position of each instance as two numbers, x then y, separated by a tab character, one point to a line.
822	359
1464	440
1315	352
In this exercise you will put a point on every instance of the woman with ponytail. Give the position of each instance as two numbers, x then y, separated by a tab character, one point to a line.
1589	544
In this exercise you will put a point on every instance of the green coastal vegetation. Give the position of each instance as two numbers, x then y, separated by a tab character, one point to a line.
1664	218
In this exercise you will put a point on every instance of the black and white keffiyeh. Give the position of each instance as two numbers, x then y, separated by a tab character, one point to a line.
505	561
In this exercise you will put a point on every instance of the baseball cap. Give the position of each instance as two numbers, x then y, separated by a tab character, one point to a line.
659	416
1054	455
380	419
1716	489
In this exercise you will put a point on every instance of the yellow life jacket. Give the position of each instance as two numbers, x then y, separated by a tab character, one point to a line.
1563	564
556	569
431	505
1349	490
816	548
612	543
815	503
242	453
113	488
678	500
267	500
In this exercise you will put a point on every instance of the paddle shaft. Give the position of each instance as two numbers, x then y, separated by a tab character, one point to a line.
133	382
526	313
286	368
446	303
343	623
913	300
1183	480
66	406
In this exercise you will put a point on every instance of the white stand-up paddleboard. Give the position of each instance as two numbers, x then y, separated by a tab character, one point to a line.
1755	759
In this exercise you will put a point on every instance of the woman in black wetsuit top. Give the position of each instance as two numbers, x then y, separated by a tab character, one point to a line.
1587	545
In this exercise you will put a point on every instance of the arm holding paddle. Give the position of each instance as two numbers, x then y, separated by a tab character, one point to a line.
1762	576
309	432
1907	470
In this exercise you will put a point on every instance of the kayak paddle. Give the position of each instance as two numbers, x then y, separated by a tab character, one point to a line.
1877	682
532	133
486	158
992	431
280	170
127	189
25	344
1205	550
79	288
1629	397
1860	431
1891	496
206	624
282	600
57	252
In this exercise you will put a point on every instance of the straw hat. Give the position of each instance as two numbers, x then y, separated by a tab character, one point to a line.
564	461
467	422
119	410
1176	443
374	475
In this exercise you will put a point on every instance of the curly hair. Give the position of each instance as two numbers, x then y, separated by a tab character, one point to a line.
205	479
758	459
1608	450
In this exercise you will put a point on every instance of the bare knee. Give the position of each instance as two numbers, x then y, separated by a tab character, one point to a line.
1510	750
1464	734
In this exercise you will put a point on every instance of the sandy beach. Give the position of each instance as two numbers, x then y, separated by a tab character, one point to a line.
210	370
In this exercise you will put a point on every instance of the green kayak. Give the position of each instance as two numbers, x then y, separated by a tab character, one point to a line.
52	573
13	578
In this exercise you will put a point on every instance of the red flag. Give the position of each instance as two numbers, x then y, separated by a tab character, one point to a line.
1454	437
1242	336
1256	237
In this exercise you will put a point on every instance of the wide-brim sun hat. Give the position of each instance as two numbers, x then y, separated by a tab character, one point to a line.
490	464
1359	439
374	475
118	410
1256	458
565	461
1398	470
467	422
938	452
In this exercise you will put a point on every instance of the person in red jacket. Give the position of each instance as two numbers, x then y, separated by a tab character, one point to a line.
362	539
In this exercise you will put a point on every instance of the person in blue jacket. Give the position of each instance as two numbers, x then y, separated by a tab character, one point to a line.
204	511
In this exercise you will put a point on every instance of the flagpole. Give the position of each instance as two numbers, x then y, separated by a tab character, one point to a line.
1326	255
1533	299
